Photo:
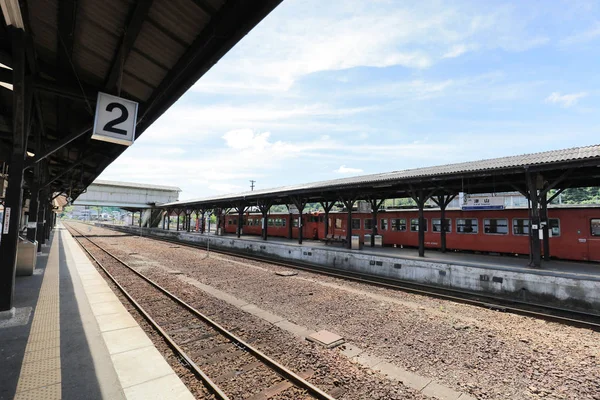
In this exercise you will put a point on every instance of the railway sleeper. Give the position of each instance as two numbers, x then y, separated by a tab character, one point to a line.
238	371
280	387
221	357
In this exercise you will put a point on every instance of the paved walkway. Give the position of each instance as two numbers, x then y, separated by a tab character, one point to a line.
72	338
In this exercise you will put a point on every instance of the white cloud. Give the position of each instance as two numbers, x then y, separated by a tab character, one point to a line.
299	39
247	139
193	123
582	37
565	100
347	170
456	51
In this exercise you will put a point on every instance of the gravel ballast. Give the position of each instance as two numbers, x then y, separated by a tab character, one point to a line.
488	354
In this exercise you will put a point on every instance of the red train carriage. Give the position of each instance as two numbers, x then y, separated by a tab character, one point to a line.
575	231
278	225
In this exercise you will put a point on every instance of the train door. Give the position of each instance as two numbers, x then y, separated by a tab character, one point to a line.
593	240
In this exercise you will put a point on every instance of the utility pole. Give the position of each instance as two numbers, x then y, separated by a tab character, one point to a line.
252	185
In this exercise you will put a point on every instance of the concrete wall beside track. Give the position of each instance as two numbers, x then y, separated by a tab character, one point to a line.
545	287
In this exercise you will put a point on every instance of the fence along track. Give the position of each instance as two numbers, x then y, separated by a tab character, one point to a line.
269	362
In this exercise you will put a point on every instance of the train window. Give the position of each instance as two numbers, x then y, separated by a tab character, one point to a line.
229	222
355	223
467	225
283	221
498	226
383	223
398	224
270	222
368	224
338	223
437	222
554	226
520	226
595	226
235	221
414	225
295	222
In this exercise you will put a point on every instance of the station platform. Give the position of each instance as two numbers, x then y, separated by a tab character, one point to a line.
584	270
71	338
566	284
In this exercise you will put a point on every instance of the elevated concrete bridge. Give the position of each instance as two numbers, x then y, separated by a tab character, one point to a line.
127	195
135	197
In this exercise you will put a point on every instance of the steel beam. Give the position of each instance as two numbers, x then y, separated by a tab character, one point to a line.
57	146
206	7
132	31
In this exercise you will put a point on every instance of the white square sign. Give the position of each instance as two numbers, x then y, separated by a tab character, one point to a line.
115	119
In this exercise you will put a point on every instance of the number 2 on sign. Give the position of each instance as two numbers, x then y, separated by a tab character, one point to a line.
110	125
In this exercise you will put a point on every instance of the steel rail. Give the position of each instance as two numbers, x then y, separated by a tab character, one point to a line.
178	350
459	296
280	369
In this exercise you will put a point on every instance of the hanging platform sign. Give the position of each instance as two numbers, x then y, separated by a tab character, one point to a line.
483	203
115	119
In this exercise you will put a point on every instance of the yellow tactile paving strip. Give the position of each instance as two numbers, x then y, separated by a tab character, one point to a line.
40	373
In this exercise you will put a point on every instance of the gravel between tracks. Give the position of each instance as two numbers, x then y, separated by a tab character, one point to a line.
332	372
489	354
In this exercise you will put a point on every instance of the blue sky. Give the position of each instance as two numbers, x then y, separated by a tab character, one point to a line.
322	90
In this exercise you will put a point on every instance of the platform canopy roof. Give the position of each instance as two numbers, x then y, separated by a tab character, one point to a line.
149	51
574	167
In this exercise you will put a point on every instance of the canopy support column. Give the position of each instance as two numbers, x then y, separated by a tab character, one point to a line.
264	207
420	198
41	215
240	208
348	203
442	202
534	225
14	192
375	204
300	205
290	222
327	206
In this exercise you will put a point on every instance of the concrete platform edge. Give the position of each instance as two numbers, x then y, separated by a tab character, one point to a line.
139	366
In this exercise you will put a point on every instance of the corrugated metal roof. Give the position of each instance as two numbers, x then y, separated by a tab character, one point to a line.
101	182
503	163
147	51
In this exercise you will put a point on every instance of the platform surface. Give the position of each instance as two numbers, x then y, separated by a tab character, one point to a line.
571	269
74	339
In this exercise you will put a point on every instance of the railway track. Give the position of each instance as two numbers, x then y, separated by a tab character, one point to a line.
229	366
546	312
